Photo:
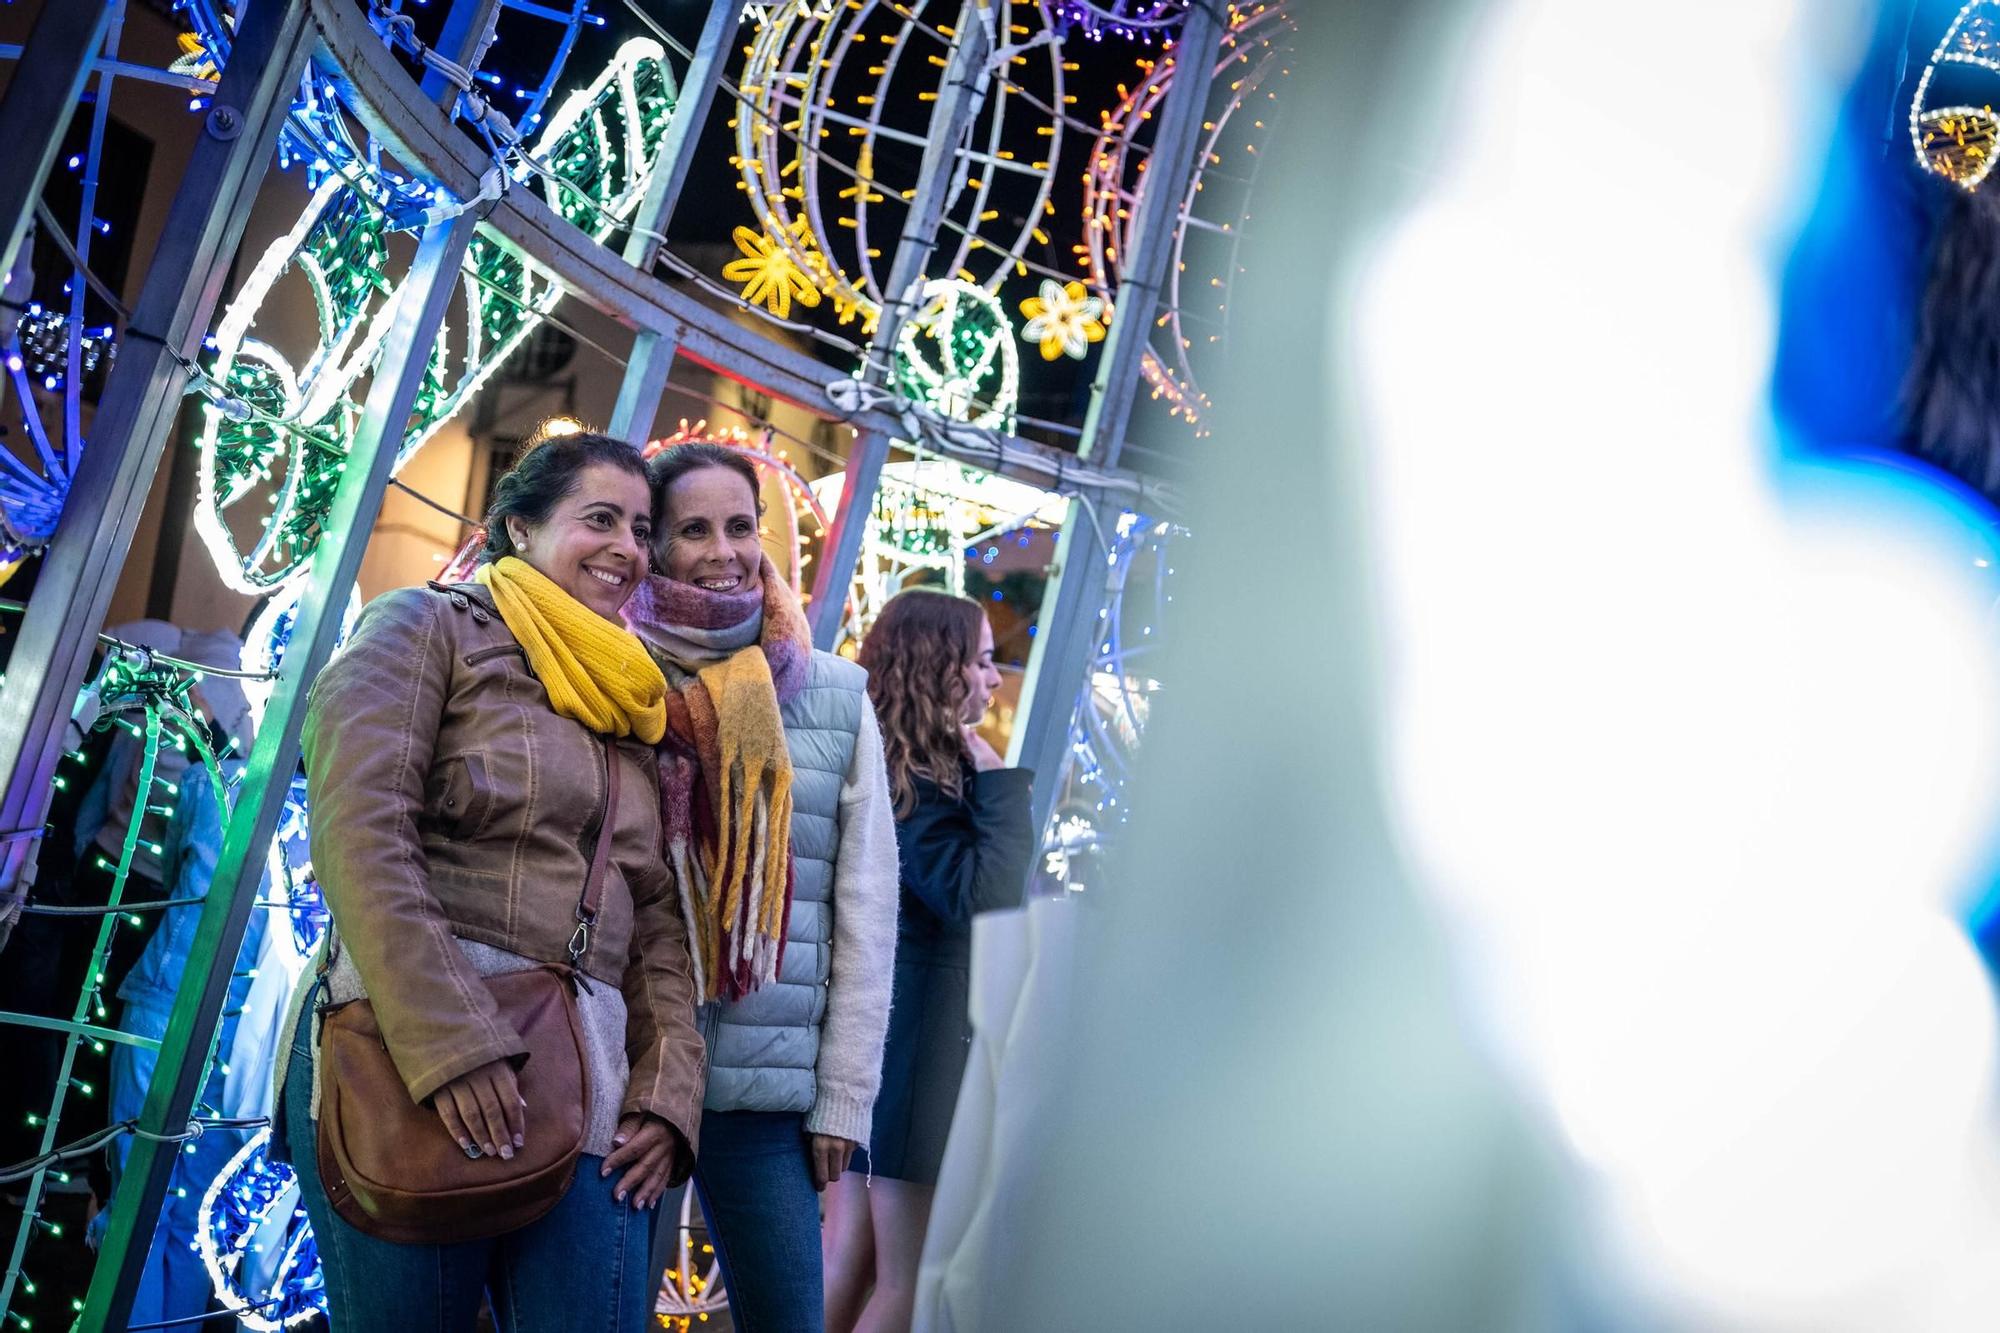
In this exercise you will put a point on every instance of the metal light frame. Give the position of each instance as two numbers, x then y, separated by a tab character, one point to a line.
414	122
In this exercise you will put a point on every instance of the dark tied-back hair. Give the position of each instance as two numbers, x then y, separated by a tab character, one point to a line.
916	654
677	460
544	476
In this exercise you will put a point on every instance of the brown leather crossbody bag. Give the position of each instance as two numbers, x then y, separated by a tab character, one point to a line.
390	1167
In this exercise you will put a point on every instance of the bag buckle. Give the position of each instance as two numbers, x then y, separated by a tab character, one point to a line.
579	942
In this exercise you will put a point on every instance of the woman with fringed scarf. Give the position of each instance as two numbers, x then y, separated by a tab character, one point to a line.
781	833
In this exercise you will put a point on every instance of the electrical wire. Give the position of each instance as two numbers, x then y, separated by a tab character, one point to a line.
90	1143
423	499
154	905
187	1320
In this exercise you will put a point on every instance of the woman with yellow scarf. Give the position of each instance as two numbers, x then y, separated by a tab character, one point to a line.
485	803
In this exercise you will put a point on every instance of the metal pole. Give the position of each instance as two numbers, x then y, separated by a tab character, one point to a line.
1066	639
965	82
653	352
670	169
111	481
835	575
184	1052
468	27
645	380
47	80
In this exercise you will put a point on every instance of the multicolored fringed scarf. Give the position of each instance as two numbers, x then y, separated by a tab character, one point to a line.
731	660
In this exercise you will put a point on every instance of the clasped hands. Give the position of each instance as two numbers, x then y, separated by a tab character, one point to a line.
485	1114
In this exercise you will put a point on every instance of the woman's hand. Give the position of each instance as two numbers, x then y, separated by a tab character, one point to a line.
647	1146
829	1157
483	1110
984	757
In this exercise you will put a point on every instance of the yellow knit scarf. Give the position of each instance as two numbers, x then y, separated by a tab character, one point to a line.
595	670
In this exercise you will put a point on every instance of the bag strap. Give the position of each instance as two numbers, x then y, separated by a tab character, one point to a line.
593	881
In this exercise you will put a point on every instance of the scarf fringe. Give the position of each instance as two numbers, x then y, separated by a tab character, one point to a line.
753	905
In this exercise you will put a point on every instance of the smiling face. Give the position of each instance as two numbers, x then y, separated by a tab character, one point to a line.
708	535
982	678
593	543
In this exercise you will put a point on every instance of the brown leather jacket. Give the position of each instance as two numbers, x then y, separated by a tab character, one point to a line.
448	798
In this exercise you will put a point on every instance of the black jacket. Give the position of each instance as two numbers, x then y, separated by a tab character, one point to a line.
959	856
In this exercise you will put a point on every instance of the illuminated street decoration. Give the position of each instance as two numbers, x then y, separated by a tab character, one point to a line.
256	1244
1192	312
292	428
957	354
1958	141
1134	20
691	1289
768	273
926	516
1064	320
45	338
1115	706
812	149
150	698
270	632
317	137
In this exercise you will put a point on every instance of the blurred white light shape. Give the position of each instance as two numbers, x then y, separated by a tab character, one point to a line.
1702	778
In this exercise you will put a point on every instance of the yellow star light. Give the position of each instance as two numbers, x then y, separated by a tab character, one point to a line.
768	275
1064	319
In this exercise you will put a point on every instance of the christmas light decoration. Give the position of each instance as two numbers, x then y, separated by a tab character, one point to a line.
131	683
256	1244
317	133
957	354
289	880
814	154
1141	20
1191	314
926	515
691	1289
1065	320
195	61
768	275
265	417
43	338
1958	142
1115	706
270	632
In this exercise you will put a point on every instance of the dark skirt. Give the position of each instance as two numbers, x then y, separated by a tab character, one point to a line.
923	1062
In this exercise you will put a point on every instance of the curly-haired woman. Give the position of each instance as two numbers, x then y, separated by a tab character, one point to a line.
964	840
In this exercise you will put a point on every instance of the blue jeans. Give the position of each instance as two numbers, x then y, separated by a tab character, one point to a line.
754	1180
581	1269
